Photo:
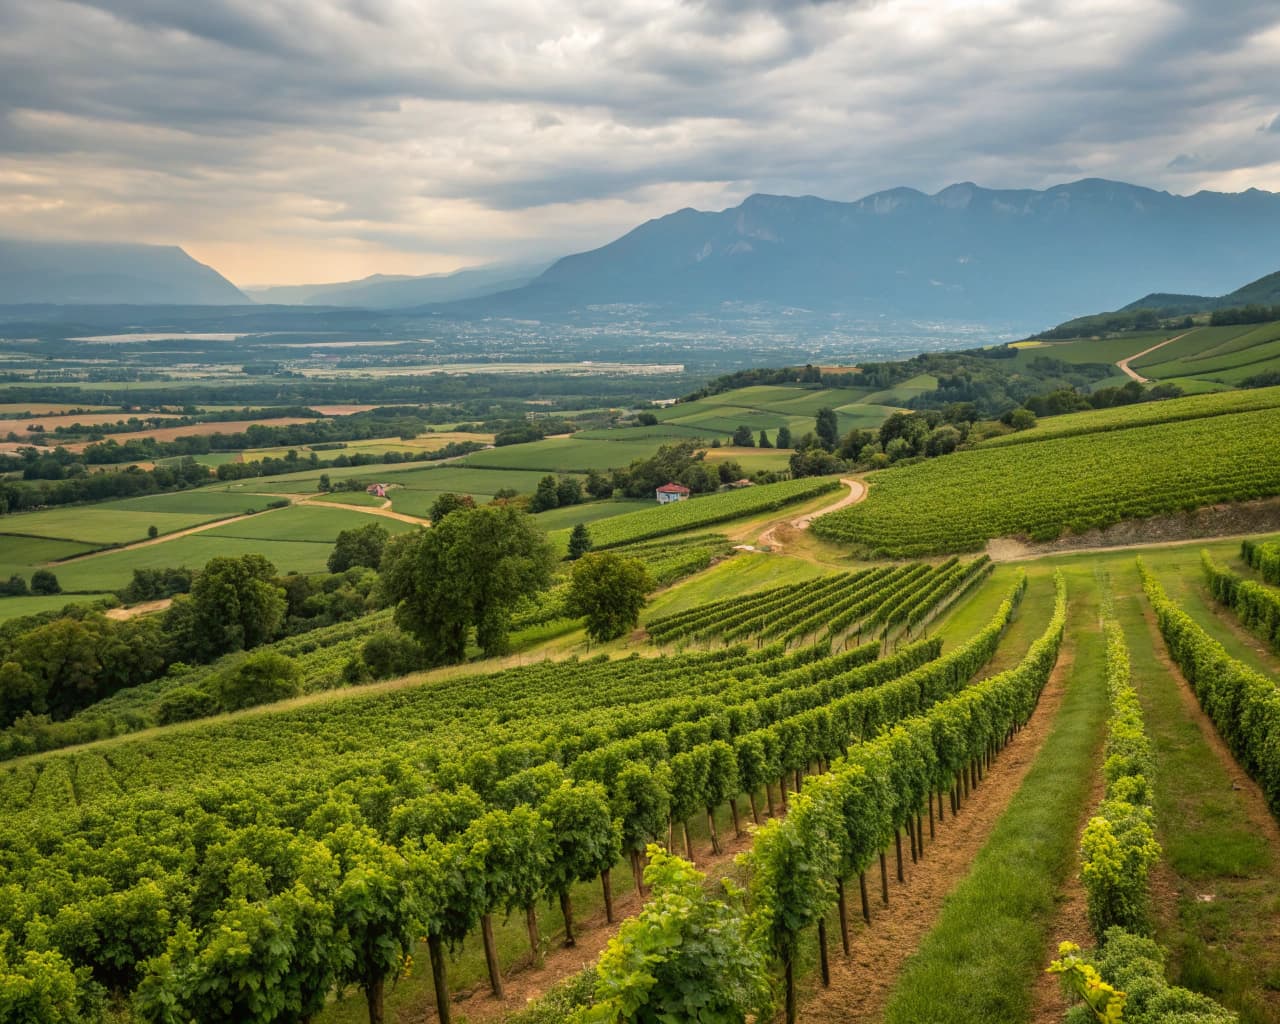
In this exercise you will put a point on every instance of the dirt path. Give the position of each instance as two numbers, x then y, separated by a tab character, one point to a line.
861	984
770	538
383	510
133	611
1123	364
1009	549
165	538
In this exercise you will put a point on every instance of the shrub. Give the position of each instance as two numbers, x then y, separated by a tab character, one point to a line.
388	654
185	703
260	679
45	582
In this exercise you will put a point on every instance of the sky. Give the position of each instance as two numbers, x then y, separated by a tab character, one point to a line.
290	141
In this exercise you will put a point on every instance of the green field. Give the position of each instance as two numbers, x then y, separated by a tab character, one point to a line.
768	407
304	523
20	554
121	522
1091	350
359	498
564	455
589	512
16	607
113	569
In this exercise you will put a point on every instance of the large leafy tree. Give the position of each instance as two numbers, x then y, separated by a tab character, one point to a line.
609	590
359	546
235	604
827	427
469	571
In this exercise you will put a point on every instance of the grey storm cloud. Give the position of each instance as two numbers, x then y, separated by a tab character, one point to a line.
497	129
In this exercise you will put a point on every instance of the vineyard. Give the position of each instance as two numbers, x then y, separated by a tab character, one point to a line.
960	502
1256	606
601	757
828	607
1220	403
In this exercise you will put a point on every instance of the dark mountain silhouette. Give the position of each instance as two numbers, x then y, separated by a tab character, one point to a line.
966	252
75	273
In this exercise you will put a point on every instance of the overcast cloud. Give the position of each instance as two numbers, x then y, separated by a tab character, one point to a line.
299	140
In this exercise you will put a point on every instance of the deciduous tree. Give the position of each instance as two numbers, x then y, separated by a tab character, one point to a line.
610	591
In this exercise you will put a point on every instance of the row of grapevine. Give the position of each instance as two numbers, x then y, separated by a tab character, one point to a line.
826	607
963	579
1122	417
673	559
1124	978
250	898
701	620
680	516
846	817
1255	605
959	502
1264	557
1119	848
1243	705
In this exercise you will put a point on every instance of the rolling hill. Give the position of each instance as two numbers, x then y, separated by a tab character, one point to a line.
1264	291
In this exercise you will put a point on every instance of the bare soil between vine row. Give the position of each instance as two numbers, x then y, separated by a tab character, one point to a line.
862	983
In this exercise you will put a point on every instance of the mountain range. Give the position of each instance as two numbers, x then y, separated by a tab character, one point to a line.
84	273
965	253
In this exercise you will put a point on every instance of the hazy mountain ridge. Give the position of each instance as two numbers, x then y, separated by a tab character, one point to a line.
393	291
78	273
966	251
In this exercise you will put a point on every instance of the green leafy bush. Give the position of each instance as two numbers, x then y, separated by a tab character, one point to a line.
260	679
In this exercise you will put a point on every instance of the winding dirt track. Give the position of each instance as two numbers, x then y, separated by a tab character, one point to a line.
383	510
857	491
1123	364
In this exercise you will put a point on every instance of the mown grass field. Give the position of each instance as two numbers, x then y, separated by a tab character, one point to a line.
564	455
768	407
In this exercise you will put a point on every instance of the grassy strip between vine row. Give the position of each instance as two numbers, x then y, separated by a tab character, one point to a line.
1124	977
1255	605
1243	705
986	948
845	818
